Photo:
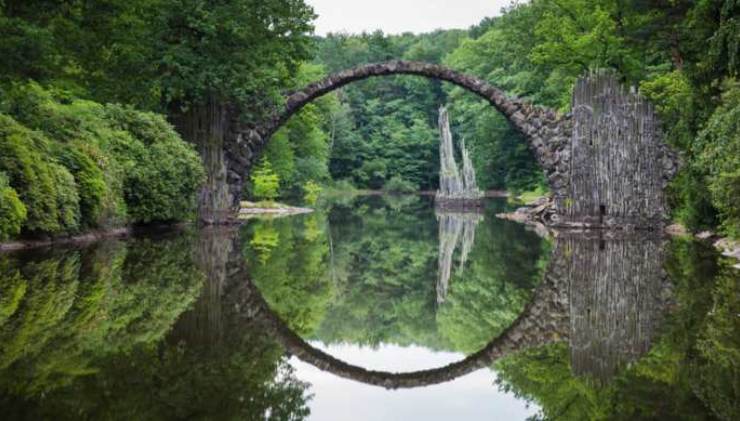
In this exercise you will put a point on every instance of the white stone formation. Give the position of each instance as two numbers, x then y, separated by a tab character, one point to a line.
452	184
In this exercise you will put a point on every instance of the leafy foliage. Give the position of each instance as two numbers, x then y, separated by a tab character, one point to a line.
719	159
40	184
12	211
396	184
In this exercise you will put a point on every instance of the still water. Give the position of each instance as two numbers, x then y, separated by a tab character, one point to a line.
371	308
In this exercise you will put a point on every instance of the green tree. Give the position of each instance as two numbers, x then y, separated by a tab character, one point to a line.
266	182
719	159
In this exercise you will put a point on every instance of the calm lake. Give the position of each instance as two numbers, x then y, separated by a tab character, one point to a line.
371	308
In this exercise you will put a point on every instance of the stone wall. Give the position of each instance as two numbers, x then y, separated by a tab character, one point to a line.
227	150
616	164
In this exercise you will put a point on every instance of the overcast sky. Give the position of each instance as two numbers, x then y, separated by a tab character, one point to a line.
397	16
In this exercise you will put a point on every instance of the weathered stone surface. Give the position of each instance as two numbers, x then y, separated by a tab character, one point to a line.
618	165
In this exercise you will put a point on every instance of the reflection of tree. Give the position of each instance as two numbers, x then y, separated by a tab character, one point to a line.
294	274
387	263
505	265
691	372
111	351
67	309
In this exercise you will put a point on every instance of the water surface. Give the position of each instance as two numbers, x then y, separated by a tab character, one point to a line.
371	308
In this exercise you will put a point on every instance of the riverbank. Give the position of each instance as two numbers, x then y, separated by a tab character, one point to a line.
89	236
535	212
80	239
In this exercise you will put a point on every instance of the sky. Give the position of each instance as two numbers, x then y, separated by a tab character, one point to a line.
397	16
471	397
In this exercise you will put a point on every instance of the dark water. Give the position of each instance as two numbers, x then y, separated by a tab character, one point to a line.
371	309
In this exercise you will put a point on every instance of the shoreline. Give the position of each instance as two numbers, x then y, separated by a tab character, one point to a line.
88	237
79	239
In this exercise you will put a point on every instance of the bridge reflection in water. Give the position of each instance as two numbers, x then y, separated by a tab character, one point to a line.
604	293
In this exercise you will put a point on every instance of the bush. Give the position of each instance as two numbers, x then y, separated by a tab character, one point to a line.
24	157
398	185
77	163
91	183
164	172
68	201
161	186
12	210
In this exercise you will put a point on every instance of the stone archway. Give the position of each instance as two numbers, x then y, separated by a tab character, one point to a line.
605	163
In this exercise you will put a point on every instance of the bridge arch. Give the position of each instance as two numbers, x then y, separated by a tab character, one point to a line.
544	129
540	322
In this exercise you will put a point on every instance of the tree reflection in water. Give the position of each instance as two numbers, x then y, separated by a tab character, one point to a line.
88	334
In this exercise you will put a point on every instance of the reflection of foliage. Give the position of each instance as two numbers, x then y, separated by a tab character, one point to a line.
292	274
690	373
83	336
486	298
385	261
246	379
264	239
63	312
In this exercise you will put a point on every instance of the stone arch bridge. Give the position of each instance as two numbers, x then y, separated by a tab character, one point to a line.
605	162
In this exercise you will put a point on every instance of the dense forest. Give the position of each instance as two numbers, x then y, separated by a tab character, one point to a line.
87	89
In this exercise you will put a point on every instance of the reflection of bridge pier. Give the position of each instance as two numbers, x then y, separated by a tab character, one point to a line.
617	293
217	255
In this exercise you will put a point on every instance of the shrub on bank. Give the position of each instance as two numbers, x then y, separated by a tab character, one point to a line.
77	164
24	157
12	210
